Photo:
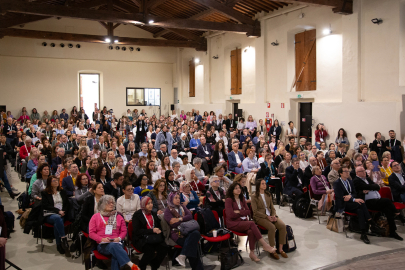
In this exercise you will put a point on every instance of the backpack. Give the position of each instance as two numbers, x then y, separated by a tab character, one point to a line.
290	244
230	258
23	201
207	221
301	207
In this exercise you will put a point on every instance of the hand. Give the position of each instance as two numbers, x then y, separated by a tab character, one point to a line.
207	158
347	198
366	191
389	148
329	191
157	230
184	203
359	201
237	211
378	145
173	220
116	240
159	212
62	213
113	184
3	241
105	239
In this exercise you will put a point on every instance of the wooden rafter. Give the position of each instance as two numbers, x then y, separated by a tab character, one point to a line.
339	6
155	3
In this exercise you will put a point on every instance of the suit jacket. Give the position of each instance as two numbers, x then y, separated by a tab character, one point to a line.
87	212
341	191
333	176
228	124
396	188
160	155
360	185
49	205
277	130
326	171
68	187
259	209
127	156
110	190
266	135
141	131
215	158
234	219
232	160
291	180
55	163
201	151
67	146
91	143
198	118
101	118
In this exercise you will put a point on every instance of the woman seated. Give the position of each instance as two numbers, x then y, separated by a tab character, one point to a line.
195	142
321	188
41	160
39	185
129	174
142	188
237	219
174	215
151	172
80	160
178	175
108	229
141	168
189	197
165	165
90	206
83	187
152	156
159	197
250	163
128	203
198	171
320	160
219	156
241	179
119	166
215	196
303	161
55	204
184	146
264	214
224	181
284	164
268	172
147	236
195	184
374	174
102	175
32	164
172	185
92	168
385	170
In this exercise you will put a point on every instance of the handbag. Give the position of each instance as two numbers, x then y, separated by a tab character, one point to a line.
188	227
155	238
334	224
230	258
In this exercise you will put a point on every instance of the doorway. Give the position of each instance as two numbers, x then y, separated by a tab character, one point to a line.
89	93
305	115
237	113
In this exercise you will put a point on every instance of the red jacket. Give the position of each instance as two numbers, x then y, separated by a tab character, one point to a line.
199	188
233	219
24	151
320	134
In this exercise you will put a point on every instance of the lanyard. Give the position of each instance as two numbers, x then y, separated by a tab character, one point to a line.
350	192
174	188
323	182
386	173
153	221
321	165
389	141
164	206
197	187
102	218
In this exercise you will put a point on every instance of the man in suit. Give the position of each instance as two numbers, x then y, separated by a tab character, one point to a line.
164	137
98	117
198	117
162	152
235	158
308	171
141	129
114	187
394	146
64	115
130	139
333	174
68	183
230	123
65	144
204	151
294	180
368	191
345	199
397	182
92	140
58	160
121	153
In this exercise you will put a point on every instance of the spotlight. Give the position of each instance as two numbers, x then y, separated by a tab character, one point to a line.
70	45
124	48
107	40
151	21
110	47
377	21
62	45
197	61
78	46
215	56
44	44
52	45
327	31
131	49
275	43
117	47
116	41
138	49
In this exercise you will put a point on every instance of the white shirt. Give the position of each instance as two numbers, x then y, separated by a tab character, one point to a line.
265	204
224	139
128	206
401	179
237	157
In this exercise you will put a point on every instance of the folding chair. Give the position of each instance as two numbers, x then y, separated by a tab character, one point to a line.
236	233
100	256
313	202
287	198
81	234
66	224
385	192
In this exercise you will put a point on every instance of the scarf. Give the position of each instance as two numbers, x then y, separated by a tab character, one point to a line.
144	202
214	195
176	210
112	218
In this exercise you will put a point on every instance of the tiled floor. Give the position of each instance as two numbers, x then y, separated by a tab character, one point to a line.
317	246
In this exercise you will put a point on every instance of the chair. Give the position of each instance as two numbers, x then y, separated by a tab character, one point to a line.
286	197
313	202
81	234
236	233
385	192
100	256
232	173
66	224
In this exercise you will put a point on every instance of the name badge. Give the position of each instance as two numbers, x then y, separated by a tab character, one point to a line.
206	152
274	133
321	139
261	133
128	217
108	229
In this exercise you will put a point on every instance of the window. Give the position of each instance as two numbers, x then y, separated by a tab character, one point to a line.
89	92
191	90
143	96
236	72
305	61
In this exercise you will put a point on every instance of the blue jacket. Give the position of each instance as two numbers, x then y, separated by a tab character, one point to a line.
192	204
31	169
232	160
68	187
90	143
198	118
160	138
201	151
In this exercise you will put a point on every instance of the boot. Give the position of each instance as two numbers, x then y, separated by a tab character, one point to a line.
65	246
60	249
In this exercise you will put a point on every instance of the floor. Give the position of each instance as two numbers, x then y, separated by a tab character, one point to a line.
316	246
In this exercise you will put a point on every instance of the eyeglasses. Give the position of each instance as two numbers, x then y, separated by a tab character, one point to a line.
111	202
216	181
395	165
345	171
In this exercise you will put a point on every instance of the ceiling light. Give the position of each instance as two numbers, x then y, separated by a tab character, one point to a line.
151	21
107	40
116	41
196	60
328	31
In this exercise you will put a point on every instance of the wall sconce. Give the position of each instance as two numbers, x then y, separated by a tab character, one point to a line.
197	61
215	56
275	43
377	21
327	31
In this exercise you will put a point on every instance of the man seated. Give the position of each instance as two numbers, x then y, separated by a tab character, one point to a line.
293	180
308	171
174	157
92	140
368	191
204	151
333	174
121	153
144	148
162	152
114	187
130	139
289	146
58	160
69	182
65	144
346	200
235	158
397	182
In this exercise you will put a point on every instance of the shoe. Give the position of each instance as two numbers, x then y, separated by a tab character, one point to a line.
125	267
274	256
396	236
364	238
60	249
375	228
283	254
65	246
14	189
101	265
13	195
254	258
181	259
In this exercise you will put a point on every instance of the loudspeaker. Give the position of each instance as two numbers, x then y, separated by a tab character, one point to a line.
172	107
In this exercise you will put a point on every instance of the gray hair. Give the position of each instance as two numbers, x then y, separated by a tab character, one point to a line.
175	163
197	161
28	138
212	178
104	200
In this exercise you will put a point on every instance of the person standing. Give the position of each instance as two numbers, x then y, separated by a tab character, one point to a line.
394	146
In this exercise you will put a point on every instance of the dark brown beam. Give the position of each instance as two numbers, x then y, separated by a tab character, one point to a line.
154	3
115	26
161	33
227	11
13	32
104	24
339	6
127	8
231	3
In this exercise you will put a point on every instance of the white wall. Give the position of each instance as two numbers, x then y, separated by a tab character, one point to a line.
359	86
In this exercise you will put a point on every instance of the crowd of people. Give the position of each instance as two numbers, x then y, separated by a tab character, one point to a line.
153	173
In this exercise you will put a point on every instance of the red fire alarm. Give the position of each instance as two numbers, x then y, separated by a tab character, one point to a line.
282	105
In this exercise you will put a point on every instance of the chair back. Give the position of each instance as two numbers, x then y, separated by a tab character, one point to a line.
311	193
215	215
385	192
283	180
130	230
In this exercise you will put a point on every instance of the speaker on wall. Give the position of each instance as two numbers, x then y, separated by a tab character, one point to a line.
172	107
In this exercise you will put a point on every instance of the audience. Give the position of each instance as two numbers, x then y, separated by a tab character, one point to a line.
397	182
159	197
128	203
142	188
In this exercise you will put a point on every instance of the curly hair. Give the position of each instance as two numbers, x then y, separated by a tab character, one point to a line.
229	192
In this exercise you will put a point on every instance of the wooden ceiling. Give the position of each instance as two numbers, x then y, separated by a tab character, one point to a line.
180	21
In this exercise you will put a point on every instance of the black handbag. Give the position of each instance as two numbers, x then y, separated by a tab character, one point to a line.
154	238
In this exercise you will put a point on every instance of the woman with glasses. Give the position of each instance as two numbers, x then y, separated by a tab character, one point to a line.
128	203
189	197
215	196
142	185
159	197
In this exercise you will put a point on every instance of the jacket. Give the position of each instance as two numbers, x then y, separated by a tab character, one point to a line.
215	158
168	216
68	187
340	191
160	138
277	130
201	151
87	212
139	229
318	187
396	188
233	219
192	204
291	179
228	124
155	202
232	160
48	203
360	185
110	190
259	209
31	169
55	163
91	143
265	134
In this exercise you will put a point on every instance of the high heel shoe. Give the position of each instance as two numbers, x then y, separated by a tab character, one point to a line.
254	258
270	249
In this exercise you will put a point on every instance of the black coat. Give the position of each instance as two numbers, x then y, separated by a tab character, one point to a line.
87	213
308	175
396	188
278	132
341	191
215	158
291	179
110	190
228	123
379	150
139	230
139	124
360	185
49	205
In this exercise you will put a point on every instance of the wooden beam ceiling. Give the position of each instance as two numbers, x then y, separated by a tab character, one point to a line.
339	6
13	32
155	3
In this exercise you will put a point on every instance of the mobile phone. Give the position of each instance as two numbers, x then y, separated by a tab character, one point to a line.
111	240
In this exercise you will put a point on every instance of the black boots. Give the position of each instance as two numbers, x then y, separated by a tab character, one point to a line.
60	249
364	238
65	246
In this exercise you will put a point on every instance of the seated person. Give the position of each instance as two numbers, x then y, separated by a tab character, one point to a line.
293	180
69	182
83	187
142	186
114	187
197	162
268	173
386	170
146	223
320	188
320	160
165	165
241	179
189	197
219	156
90	206
185	165
345	200
368	191
215	196
235	159
397	182
159	197
284	164
224	181
264	214
195	184
237	219
128	203
102	175
174	215
41	160
108	229
39	185
55	204
204	151
129	174
141	168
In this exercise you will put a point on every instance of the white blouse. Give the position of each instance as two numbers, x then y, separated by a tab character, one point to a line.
128	206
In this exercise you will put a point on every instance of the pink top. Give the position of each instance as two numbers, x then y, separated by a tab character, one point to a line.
97	228
183	116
